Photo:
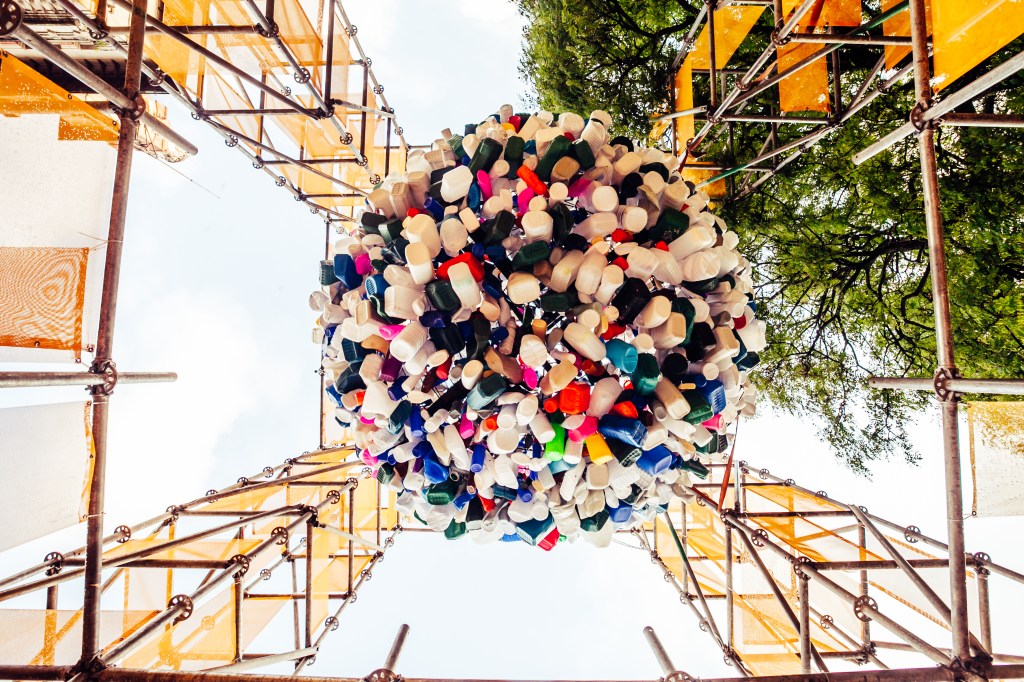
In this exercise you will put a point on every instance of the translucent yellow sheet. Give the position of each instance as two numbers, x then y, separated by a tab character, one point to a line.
967	33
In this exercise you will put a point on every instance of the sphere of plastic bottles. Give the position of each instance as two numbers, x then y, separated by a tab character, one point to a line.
538	331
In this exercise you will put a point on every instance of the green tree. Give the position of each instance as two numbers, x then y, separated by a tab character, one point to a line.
840	250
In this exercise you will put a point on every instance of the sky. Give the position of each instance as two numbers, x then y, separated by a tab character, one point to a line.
218	264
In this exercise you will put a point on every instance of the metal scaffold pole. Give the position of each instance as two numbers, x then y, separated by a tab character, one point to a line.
943	335
105	337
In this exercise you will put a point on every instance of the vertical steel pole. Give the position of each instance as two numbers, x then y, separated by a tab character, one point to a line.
330	54
309	583
711	61
729	623
682	535
295	603
865	625
238	594
837	85
943	335
805	624
352	531
983	608
51	598
366	89
387	151
105	335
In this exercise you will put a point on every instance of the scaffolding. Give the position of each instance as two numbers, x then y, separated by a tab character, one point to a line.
804	578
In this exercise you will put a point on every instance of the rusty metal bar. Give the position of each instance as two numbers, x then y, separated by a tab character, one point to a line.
930	674
804	629
93	571
760	118
658	649
955	384
862	542
943	332
984	611
829	39
291	595
251	662
351	530
195	30
309	583
396	647
968	120
238	594
35	379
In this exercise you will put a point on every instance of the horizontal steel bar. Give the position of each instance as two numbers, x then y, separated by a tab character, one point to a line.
273	162
253	662
36	379
877	564
981	120
679	114
159	563
796	514
257	112
218	512
292	595
848	39
900	646
958	385
720	167
361	108
194	30
34	672
930	674
758	118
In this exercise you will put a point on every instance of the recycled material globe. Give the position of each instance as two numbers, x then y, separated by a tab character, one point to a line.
538	331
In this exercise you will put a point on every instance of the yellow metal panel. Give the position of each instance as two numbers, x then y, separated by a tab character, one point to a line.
789	499
42	294
732	24
245	501
827	13
715	190
23	90
967	33
684	100
807	89
899	25
215	550
48	637
298	33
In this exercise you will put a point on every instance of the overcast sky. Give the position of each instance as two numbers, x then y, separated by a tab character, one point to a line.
217	269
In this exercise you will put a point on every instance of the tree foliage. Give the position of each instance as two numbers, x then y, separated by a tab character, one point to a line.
841	250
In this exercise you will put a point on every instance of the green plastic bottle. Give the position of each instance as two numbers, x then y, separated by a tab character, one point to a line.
558	148
486	391
700	411
455	529
554	449
442	493
647	374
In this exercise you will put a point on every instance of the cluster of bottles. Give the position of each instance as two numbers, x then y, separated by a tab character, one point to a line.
538	331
